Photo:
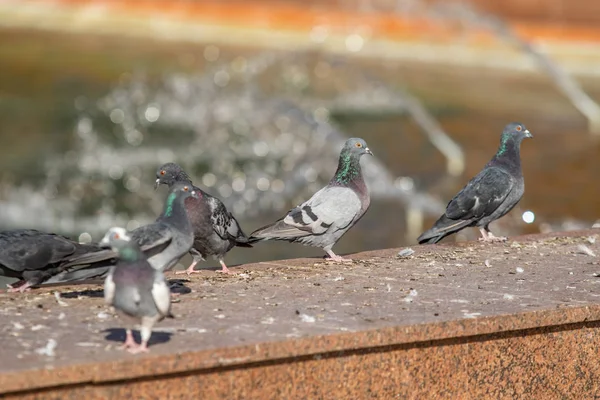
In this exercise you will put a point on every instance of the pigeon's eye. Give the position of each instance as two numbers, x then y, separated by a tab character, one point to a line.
185	188
519	128
358	145
116	236
162	172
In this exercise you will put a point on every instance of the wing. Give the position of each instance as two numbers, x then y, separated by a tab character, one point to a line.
481	196
223	222
161	296
22	251
151	237
330	206
109	287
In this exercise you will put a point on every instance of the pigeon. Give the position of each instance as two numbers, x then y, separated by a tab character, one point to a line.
216	231
135	288
163	242
331	212
489	195
35	257
171	236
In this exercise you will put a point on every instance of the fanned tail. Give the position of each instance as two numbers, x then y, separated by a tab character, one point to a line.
443	227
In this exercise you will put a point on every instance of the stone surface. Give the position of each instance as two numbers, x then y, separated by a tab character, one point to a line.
467	320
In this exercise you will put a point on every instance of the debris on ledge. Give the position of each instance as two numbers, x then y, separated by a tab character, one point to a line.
306	313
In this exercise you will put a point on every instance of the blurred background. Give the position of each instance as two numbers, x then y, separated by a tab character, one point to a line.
255	99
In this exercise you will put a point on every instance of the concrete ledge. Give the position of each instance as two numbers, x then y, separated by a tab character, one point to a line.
518	319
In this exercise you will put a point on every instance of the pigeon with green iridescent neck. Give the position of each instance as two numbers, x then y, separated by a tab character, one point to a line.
171	236
489	195
331	212
216	231
135	288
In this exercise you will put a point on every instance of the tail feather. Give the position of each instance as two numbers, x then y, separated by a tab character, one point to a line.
278	230
443	227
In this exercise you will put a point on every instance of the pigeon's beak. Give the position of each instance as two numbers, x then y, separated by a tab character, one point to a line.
156	183
528	134
368	151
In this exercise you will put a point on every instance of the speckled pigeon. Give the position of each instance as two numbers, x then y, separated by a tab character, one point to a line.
489	195
216	231
331	212
35	257
135	289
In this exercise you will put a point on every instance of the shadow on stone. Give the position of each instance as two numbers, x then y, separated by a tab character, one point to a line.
178	286
118	335
83	293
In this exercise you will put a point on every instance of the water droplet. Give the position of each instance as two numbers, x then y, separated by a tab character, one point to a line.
225	190
152	113
321	114
319	34
132	184
115	171
354	42
85	238
263	184
134	137
277	186
310	174
221	78
528	217
117	116
405	183
211	53
261	149
238	184
209	180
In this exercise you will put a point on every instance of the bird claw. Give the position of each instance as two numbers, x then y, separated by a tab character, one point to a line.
226	272
21	289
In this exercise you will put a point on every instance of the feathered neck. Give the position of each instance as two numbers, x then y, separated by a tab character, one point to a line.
509	153
129	251
174	212
182	177
348	169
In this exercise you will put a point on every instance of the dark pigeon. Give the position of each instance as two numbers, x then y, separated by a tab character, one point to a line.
135	288
216	231
489	195
34	257
331	212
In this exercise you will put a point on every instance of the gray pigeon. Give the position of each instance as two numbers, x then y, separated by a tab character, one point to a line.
35	257
163	242
489	195
332	211
135	288
171	236
216	231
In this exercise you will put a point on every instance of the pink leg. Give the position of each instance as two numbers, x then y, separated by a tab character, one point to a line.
22	288
224	269
335	257
129	343
488	236
190	270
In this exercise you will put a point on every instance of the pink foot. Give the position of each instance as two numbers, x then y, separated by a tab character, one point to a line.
224	269
21	288
335	258
142	348
129	343
488	237
190	270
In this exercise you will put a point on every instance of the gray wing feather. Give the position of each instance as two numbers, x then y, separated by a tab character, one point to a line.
330	207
